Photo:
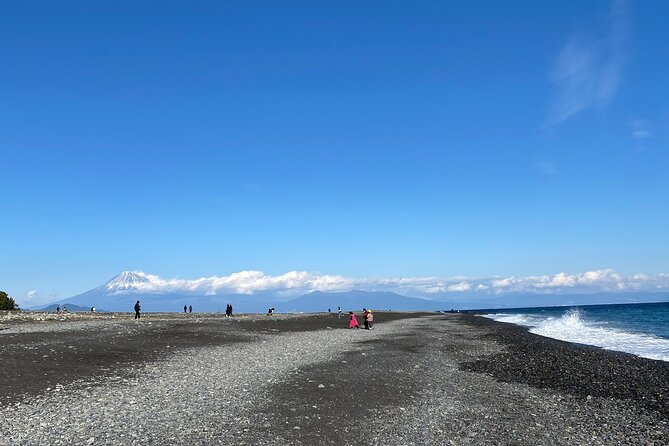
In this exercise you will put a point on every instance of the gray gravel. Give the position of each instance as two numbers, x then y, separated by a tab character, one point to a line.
404	383
202	396
13	322
410	389
455	406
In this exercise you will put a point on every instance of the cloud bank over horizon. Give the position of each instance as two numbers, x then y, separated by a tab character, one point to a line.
451	289
294	283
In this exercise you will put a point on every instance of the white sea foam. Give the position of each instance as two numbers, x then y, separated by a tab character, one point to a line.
572	327
518	319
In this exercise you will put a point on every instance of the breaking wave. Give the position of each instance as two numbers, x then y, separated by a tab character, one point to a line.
571	326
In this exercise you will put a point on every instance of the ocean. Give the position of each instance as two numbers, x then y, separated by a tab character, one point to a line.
640	329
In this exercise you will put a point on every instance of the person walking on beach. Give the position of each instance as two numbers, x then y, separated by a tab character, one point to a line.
185	309
339	312
190	308
137	310
354	321
370	320
364	317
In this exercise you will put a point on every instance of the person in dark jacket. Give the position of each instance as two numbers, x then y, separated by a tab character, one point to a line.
185	309
137	310
190	308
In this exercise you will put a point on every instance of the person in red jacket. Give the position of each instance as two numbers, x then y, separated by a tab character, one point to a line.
354	321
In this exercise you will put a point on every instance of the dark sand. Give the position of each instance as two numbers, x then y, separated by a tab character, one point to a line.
434	379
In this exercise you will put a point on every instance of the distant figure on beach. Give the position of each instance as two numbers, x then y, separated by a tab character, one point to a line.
228	310
329	311
137	310
92	309
370	320
354	321
338	311
185	309
364	317
190	308
270	311
58	309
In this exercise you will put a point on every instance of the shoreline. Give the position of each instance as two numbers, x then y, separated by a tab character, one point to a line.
541	361
303	379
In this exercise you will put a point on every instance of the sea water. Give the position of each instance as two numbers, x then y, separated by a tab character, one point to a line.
640	329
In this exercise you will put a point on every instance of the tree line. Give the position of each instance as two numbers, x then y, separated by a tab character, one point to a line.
7	303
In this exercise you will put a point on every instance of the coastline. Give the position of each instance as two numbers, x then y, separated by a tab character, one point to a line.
303	379
578	369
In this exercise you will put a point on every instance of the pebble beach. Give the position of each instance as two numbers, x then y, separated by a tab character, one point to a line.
417	378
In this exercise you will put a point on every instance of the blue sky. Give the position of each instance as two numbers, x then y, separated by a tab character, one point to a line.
390	139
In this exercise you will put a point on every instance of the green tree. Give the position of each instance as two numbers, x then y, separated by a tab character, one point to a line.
6	302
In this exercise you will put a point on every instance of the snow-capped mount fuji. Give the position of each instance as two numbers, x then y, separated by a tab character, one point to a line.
157	294
128	281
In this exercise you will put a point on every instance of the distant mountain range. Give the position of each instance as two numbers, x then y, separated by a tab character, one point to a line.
356	300
69	307
121	293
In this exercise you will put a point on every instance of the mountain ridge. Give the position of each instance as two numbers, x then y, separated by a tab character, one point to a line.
156	294
122	291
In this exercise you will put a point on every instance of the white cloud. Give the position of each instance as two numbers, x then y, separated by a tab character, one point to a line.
459	287
503	283
640	129
299	282
243	282
641	134
30	299
588	70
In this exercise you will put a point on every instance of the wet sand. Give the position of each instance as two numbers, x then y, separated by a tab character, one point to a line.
305	379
